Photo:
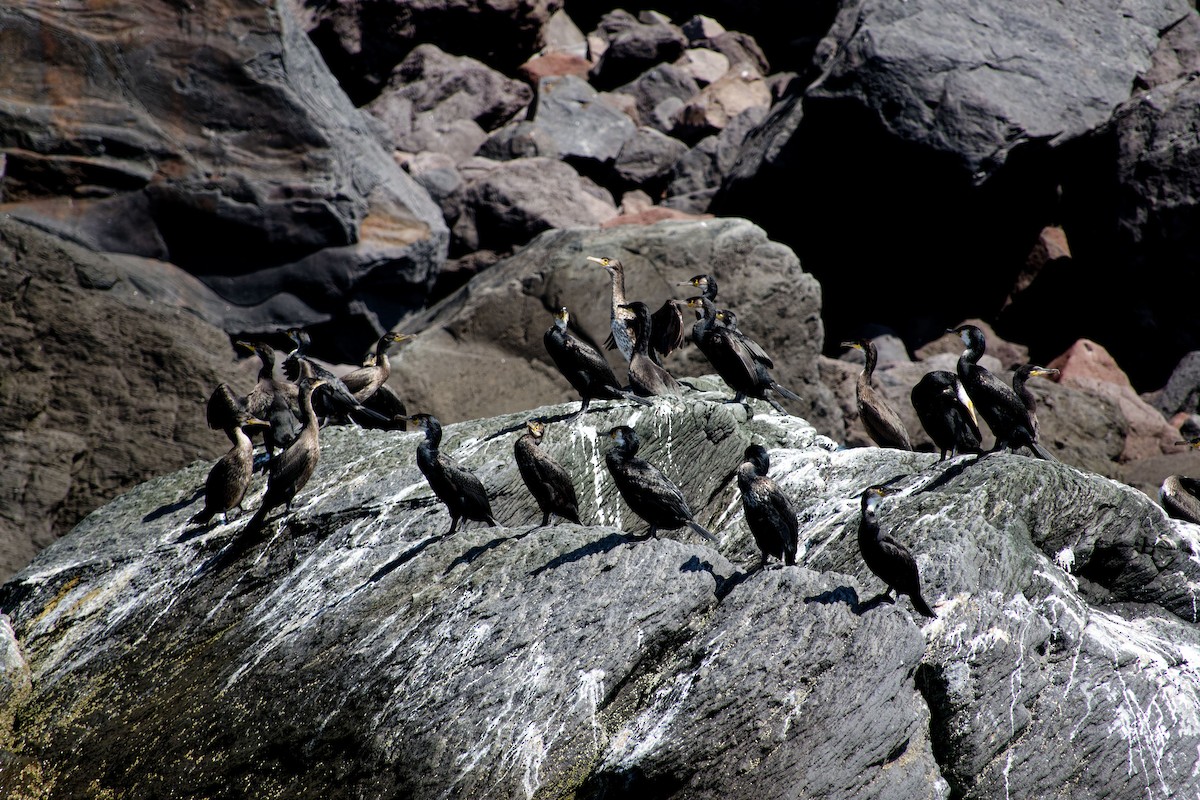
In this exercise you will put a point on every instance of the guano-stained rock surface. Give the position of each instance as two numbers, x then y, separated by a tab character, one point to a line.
361	651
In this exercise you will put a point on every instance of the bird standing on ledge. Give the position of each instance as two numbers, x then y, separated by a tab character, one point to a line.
583	366
648	493
888	559
460	490
666	324
882	422
769	513
548	482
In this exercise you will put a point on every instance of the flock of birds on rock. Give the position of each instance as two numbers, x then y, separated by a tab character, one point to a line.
289	413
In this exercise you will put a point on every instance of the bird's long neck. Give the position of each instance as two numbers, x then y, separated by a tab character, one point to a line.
433	435
1023	392
241	442
266	372
618	291
308	417
868	528
872	355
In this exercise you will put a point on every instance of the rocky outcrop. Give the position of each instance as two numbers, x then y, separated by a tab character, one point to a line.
360	650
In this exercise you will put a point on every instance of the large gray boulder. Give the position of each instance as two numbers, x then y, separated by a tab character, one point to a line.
359	650
220	142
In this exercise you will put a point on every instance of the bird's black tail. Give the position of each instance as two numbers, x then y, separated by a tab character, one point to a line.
1041	452
203	516
700	529
783	390
921	606
631	396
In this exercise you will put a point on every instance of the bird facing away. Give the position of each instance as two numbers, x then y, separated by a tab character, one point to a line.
946	413
769	512
888	559
229	478
272	399
293	467
740	362
1179	494
548	482
646	378
1022	374
366	380
459	489
882	422
223	408
666	324
647	492
583	366
996	402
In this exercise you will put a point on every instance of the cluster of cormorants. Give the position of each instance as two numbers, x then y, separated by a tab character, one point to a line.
289	413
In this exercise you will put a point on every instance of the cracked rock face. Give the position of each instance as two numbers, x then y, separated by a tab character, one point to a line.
361	651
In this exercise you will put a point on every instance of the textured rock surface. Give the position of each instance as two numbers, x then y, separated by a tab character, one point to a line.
576	661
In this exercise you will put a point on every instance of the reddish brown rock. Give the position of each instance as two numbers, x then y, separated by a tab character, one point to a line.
651	215
552	64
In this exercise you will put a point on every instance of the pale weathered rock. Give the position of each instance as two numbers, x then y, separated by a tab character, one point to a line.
660	83
560	34
739	90
569	111
705	66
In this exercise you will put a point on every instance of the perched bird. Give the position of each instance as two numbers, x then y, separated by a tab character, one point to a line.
996	402
666	324
1180	495
336	398
733	357
769	512
583	366
882	422
946	413
1022	374
888	559
647	492
707	285
229	478
461	491
646	378
366	380
548	482
274	400
295	465
223	408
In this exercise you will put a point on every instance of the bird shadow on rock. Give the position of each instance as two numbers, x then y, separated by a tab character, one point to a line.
610	542
163	511
724	585
478	550
951	472
402	559
842	594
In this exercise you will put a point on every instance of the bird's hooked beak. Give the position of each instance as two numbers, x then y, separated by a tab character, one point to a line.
255	422
1045	372
400	337
853	345
245	344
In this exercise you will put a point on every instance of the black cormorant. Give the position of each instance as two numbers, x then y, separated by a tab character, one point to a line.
336	397
769	512
583	366
666	324
548	482
707	285
294	466
1022	374
646	378
734	359
460	490
366	380
878	417
946	413
647	492
995	401
887	558
229	478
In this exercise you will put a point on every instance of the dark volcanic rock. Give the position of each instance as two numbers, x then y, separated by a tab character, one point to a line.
655	85
633	47
646	158
577	661
582	126
106	366
1182	392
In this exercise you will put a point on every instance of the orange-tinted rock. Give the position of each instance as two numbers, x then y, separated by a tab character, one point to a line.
650	216
551	64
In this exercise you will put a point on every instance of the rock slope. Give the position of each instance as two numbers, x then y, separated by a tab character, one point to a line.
363	652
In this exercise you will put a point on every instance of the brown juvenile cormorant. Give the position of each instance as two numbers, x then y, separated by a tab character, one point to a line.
735	360
996	402
224	407
666	324
887	558
646	378
946	413
769	512
274	400
548	482
1022	374
336	398
460	490
583	366
227	481
878	417
647	492
366	380
294	466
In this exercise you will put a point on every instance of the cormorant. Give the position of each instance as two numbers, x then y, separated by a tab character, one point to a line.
946	413
366	380
666	324
276	401
224	407
337	397
647	492
227	481
583	366
294	466
878	417
735	360
887	558
769	512
996	402
461	491
646	378
1022	374
1179	494
548	482
707	285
